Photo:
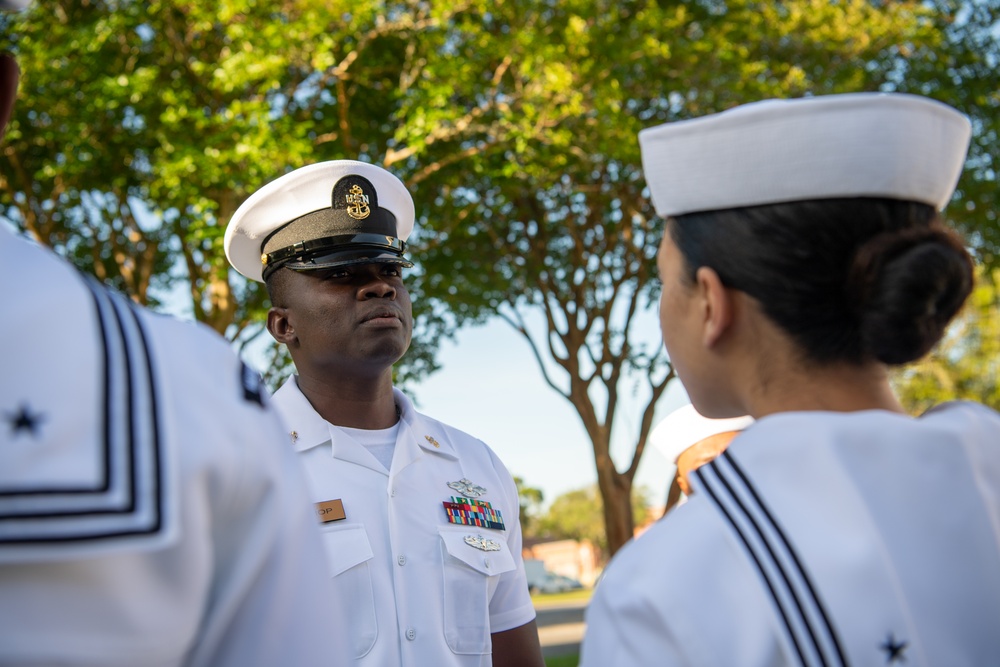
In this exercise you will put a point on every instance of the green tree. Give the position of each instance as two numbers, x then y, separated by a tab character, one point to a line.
142	125
962	67
576	515
530	500
966	364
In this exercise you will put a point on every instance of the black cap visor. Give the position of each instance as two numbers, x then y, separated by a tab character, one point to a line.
343	250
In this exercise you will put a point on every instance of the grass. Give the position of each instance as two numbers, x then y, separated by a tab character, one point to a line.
568	596
563	661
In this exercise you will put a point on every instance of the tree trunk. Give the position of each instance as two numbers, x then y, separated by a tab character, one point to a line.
616	490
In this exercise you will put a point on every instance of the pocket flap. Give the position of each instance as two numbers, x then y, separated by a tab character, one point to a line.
346	546
496	560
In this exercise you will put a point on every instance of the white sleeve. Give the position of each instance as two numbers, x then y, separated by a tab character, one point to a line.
620	633
511	606
682	593
269	600
272	603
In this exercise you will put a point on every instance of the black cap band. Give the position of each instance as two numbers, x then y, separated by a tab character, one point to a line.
335	251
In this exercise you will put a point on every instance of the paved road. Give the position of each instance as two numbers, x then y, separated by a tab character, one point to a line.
560	627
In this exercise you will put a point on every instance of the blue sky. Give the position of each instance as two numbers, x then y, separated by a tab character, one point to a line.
491	387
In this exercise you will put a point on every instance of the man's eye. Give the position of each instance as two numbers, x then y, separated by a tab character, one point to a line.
392	270
336	274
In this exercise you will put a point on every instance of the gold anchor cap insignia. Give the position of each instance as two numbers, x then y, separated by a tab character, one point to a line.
357	203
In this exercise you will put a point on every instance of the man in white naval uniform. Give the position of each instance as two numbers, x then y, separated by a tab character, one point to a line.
148	515
804	255
420	519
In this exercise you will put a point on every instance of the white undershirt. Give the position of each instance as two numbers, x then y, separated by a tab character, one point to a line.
381	443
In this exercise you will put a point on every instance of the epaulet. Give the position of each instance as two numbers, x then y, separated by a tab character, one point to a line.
253	385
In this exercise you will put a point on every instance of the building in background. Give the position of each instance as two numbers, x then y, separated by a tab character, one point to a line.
578	561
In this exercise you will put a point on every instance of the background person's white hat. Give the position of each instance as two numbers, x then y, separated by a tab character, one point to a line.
685	427
326	214
889	145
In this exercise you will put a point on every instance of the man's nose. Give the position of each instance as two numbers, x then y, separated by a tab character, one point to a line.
378	288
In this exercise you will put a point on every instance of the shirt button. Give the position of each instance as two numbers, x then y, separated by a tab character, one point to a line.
411	634
486	563
401	560
392	492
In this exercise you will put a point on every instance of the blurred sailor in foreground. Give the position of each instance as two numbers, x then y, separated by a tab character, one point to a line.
803	257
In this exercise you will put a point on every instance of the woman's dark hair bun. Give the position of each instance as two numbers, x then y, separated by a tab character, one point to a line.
905	286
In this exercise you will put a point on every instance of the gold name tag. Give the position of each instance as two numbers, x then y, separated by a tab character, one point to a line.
331	510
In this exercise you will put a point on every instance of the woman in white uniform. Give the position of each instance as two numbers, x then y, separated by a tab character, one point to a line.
803	257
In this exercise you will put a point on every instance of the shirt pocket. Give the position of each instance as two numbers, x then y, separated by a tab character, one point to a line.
347	554
471	575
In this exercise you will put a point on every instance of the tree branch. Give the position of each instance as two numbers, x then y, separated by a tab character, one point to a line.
647	422
434	167
520	327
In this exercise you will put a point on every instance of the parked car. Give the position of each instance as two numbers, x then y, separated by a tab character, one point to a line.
541	580
557	583
536	573
569	582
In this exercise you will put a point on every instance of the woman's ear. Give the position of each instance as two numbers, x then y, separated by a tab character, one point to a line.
279	326
718	305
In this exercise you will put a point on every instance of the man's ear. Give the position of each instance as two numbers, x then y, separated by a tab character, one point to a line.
279	326
718	305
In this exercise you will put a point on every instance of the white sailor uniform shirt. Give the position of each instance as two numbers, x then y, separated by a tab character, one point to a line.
419	590
866	538
149	514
